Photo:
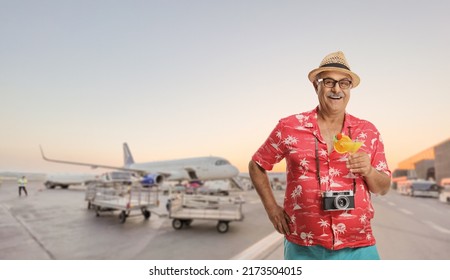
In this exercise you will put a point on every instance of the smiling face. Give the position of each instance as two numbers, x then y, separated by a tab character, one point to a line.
332	101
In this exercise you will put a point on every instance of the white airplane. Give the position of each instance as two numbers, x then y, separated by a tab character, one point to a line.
64	180
52	180
277	179
199	168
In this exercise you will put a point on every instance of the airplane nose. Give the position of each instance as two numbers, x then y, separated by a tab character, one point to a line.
234	171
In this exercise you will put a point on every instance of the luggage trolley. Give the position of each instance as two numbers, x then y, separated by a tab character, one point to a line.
184	208
123	197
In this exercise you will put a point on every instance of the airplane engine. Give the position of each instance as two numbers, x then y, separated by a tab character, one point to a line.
152	179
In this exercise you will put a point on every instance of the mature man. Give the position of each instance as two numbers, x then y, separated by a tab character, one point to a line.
327	207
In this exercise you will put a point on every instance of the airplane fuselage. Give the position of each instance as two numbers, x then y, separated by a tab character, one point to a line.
200	168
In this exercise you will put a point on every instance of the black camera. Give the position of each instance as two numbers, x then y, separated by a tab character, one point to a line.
338	200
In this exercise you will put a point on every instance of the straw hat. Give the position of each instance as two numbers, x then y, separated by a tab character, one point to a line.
335	62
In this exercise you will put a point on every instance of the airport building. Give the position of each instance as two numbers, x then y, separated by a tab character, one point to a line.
430	164
442	161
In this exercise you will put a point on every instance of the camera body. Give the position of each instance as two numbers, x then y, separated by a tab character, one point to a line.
338	200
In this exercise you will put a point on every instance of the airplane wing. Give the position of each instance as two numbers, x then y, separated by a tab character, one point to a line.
93	165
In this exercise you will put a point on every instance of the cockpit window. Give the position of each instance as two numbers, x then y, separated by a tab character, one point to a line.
222	162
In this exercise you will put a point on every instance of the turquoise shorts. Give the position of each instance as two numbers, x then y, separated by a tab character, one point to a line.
293	251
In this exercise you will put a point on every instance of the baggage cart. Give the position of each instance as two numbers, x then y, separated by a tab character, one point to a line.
121	197
185	208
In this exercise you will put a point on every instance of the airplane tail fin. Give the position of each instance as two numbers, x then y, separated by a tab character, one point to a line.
127	157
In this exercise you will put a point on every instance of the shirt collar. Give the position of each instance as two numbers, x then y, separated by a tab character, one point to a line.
349	121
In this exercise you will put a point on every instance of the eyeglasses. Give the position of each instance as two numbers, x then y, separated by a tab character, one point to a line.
331	83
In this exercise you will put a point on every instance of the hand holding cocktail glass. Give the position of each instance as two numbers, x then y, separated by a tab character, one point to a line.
358	163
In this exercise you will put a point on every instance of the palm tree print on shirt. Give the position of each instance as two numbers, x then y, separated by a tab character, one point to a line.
296	193
307	237
338	229
324	224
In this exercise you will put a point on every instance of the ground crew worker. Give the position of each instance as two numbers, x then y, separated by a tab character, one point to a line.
22	185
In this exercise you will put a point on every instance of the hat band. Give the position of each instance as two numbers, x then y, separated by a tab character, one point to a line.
338	65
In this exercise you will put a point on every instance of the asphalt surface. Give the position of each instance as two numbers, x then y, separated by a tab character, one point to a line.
56	224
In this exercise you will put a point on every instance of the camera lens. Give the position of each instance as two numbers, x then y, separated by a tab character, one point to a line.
341	202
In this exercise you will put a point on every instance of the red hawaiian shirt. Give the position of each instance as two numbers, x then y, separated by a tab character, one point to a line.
295	138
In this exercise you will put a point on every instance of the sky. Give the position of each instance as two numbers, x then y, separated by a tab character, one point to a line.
176	78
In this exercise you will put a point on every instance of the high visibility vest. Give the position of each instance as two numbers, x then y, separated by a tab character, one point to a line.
22	182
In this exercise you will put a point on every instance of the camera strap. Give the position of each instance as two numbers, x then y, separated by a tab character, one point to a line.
318	163
354	181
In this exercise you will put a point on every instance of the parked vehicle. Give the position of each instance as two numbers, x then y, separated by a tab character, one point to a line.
444	196
184	208
419	188
119	177
121	195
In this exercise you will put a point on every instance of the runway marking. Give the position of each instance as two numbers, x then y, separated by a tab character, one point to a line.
437	227
262	248
432	208
29	231
406	211
256	201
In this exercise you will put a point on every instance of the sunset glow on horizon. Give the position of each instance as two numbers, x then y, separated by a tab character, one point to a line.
178	79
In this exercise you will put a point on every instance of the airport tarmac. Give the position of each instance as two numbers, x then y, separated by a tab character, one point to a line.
56	224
